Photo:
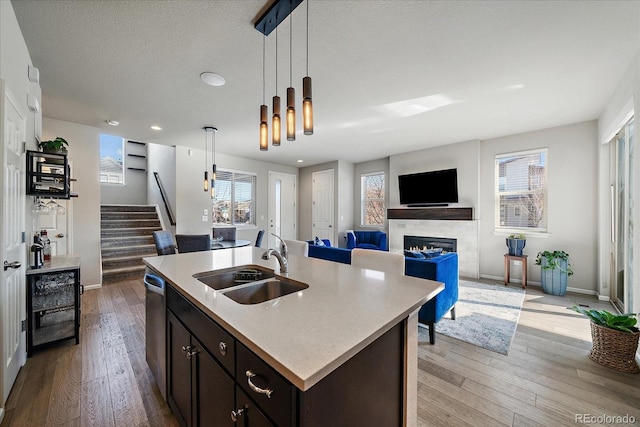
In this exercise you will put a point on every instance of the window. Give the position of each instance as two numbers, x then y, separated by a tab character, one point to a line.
521	190
372	198
111	164
234	200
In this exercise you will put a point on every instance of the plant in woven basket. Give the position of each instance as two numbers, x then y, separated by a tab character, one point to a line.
615	339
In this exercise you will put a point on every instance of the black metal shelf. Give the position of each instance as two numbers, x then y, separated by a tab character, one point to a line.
48	175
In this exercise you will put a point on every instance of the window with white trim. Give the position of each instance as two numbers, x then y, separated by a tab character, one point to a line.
111	163
372	198
234	200
521	191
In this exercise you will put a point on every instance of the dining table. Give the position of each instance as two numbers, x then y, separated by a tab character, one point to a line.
229	244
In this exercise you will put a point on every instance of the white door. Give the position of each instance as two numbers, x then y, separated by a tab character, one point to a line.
12	288
322	210
282	208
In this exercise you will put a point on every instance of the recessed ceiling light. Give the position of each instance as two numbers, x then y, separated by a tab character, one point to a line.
212	79
300	161
113	122
154	127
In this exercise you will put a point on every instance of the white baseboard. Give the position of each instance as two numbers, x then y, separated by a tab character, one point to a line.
89	287
538	284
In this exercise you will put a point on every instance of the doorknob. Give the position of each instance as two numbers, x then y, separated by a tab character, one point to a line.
14	264
60	235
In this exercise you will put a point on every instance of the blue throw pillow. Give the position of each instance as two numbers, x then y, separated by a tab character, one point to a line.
413	254
432	253
319	242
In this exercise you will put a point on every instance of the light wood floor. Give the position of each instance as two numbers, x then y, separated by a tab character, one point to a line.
545	380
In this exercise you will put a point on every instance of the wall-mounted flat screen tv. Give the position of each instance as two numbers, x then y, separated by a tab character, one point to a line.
429	188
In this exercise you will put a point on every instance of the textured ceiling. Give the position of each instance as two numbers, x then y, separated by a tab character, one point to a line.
388	76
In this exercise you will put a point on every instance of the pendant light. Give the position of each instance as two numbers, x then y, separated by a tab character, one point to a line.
264	128
205	183
307	104
275	124
213	168
291	93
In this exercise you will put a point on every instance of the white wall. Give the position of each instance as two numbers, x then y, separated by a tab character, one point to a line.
162	159
134	190
379	165
84	152
191	200
463	156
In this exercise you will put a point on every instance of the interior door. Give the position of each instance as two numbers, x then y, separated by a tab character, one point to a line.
322	215
282	207
12	288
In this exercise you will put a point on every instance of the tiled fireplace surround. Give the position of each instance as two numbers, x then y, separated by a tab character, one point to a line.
466	233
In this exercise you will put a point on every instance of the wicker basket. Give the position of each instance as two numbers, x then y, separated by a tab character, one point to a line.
614	349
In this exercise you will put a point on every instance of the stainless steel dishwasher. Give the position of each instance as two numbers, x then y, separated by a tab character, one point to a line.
155	328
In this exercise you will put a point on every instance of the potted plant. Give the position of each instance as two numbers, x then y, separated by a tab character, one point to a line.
556	268
516	243
58	146
615	339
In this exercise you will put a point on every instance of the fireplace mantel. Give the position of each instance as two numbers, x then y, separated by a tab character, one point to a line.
455	214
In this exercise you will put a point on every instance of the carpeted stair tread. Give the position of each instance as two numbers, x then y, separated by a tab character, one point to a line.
127	208
133	231
126	241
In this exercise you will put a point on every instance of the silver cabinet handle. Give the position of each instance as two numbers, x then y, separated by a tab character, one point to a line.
223	348
253	387
190	350
236	414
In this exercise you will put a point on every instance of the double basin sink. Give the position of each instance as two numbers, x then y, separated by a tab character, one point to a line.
250	284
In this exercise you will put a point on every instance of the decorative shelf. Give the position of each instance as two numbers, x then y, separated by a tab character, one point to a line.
137	169
137	155
447	214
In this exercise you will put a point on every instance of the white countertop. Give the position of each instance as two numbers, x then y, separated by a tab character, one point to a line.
57	263
307	334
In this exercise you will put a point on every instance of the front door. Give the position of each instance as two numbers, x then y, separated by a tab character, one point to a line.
282	207
322	209
12	250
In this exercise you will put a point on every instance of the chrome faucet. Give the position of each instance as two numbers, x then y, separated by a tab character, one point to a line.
281	256
284	268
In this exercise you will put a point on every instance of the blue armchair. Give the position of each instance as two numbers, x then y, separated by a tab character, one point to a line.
366	239
443	269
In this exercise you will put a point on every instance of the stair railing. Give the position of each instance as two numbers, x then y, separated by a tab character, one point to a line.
164	199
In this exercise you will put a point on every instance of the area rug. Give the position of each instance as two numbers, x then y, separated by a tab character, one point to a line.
486	316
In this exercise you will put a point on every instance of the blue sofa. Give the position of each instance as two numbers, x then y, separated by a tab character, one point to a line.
367	239
328	252
443	268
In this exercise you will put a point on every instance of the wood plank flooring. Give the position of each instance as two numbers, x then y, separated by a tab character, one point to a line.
545	380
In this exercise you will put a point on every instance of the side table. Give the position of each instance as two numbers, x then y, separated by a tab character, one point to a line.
507	268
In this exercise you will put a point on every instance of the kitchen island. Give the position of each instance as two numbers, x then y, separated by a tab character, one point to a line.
344	349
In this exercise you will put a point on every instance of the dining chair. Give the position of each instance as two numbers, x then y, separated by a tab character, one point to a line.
297	247
164	242
259	238
193	242
371	259
227	233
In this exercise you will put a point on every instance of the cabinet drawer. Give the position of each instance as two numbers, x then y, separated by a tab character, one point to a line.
278	407
218	342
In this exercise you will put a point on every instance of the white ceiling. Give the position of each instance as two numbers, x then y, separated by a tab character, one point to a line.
388	76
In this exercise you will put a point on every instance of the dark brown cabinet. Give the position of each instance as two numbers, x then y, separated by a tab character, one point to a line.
214	380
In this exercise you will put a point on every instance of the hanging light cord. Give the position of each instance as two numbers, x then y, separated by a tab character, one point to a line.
206	149
213	145
290	49
276	61
263	73
307	37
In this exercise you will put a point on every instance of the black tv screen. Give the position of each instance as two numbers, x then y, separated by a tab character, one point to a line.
429	188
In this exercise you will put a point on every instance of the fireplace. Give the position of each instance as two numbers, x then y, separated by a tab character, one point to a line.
420	242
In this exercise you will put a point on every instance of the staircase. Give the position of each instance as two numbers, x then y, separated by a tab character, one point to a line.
126	238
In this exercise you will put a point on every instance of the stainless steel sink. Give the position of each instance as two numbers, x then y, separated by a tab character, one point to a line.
265	290
235	276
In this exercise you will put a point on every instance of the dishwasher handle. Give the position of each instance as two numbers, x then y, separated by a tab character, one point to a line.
154	283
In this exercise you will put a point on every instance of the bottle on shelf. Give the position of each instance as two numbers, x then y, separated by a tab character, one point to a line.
46	246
